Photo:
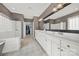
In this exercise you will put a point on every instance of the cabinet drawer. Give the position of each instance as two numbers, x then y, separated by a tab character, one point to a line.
55	49
56	40
71	46
48	47
66	52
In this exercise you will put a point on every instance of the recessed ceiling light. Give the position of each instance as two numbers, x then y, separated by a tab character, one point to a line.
13	8
54	9
29	7
40	19
60	6
76	9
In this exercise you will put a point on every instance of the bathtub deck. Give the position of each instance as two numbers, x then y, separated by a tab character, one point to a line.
29	48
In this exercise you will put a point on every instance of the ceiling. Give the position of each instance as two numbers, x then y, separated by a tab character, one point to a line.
29	10
65	11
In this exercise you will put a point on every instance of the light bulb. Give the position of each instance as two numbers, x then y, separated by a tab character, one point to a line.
60	6
54	9
40	19
13	8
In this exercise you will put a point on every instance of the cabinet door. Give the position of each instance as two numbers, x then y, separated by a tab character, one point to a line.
37	34
42	40
46	43
48	48
66	52
43	43
55	49
55	46
70	48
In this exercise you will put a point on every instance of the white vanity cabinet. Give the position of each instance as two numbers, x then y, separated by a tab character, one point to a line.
48	40
44	40
56	45
69	48
55	49
46	43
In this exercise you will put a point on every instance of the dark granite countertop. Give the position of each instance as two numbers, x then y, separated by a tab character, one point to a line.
66	31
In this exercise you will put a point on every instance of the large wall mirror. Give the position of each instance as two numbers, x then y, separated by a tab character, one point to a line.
73	23
59	26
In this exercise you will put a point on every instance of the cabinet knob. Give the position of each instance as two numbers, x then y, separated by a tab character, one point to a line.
61	49
58	48
68	46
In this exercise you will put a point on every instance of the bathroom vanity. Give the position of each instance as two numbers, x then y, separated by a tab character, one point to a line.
58	43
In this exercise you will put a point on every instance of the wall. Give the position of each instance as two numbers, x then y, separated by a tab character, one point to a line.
10	32
18	28
35	21
41	25
8	27
4	10
13	16
46	26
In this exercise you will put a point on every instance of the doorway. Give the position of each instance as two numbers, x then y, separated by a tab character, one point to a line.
27	30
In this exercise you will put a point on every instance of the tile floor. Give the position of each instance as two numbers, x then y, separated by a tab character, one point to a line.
29	47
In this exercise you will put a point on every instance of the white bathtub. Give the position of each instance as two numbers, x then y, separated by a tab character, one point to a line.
11	44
